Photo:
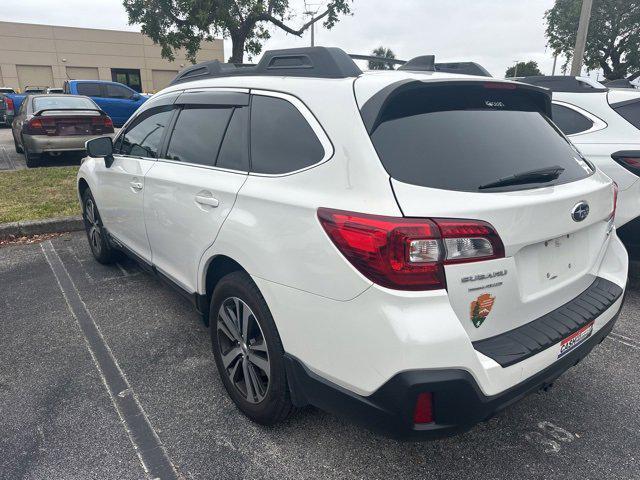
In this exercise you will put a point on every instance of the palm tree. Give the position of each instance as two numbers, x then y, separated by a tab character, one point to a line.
385	53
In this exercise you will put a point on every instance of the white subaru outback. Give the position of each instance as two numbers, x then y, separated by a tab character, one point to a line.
412	249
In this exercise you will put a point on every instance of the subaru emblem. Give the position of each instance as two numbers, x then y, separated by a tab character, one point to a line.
580	211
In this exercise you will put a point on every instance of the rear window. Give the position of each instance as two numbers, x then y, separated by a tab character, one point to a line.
463	137
630	111
45	103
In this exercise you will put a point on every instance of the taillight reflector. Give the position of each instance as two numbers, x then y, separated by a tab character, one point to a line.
615	201
406	253
9	103
423	412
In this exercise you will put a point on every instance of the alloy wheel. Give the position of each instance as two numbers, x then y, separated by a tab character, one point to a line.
243	349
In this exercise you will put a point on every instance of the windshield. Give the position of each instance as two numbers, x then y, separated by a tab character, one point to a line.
464	138
62	102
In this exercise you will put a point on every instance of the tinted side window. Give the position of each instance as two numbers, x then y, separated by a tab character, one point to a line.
117	91
234	152
89	89
143	137
197	135
570	121
281	139
630	112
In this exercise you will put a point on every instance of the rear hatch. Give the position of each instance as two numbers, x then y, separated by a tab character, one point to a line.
455	150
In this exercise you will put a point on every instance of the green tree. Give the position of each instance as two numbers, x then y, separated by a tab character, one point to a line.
524	69
384	53
613	40
175	24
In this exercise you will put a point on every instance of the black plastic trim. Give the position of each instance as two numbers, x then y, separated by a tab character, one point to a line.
523	342
561	83
458	401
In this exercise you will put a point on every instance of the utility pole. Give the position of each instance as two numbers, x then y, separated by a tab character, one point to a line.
515	71
313	27
581	37
555	60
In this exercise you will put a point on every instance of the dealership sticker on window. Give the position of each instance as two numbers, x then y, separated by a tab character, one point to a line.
575	339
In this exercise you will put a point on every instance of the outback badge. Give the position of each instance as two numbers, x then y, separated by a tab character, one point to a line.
480	309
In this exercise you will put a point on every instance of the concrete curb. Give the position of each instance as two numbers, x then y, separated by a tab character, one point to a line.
38	227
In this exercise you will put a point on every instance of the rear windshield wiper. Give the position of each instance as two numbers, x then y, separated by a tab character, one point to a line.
532	176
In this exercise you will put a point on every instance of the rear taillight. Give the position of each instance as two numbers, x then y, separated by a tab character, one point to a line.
9	103
629	160
423	411
41	126
407	253
34	127
102	124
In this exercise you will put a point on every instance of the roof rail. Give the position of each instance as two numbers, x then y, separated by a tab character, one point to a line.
423	63
565	83
318	62
370	58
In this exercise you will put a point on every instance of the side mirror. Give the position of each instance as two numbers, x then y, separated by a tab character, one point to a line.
101	147
135	97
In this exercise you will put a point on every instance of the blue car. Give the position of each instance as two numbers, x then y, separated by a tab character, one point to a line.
117	100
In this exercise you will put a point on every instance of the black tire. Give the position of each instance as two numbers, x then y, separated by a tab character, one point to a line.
32	159
18	147
275	404
98	242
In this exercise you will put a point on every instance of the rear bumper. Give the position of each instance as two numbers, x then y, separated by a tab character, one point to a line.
45	143
458	401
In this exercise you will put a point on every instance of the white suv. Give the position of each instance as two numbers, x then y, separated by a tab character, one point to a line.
415	250
604	124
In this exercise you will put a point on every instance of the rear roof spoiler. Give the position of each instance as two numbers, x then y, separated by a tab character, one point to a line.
373	108
564	83
40	112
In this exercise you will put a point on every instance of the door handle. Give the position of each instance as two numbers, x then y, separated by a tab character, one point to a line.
207	200
136	185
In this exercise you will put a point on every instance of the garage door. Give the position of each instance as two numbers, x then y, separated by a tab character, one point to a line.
82	73
162	78
35	76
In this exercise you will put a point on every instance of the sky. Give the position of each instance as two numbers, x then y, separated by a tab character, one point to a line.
494	33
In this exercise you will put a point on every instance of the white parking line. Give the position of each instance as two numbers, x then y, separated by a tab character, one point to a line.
614	337
146	443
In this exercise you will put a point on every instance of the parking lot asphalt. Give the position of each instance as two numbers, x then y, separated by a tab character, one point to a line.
60	417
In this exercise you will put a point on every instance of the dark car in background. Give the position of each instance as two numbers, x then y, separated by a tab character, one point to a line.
52	124
6	110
